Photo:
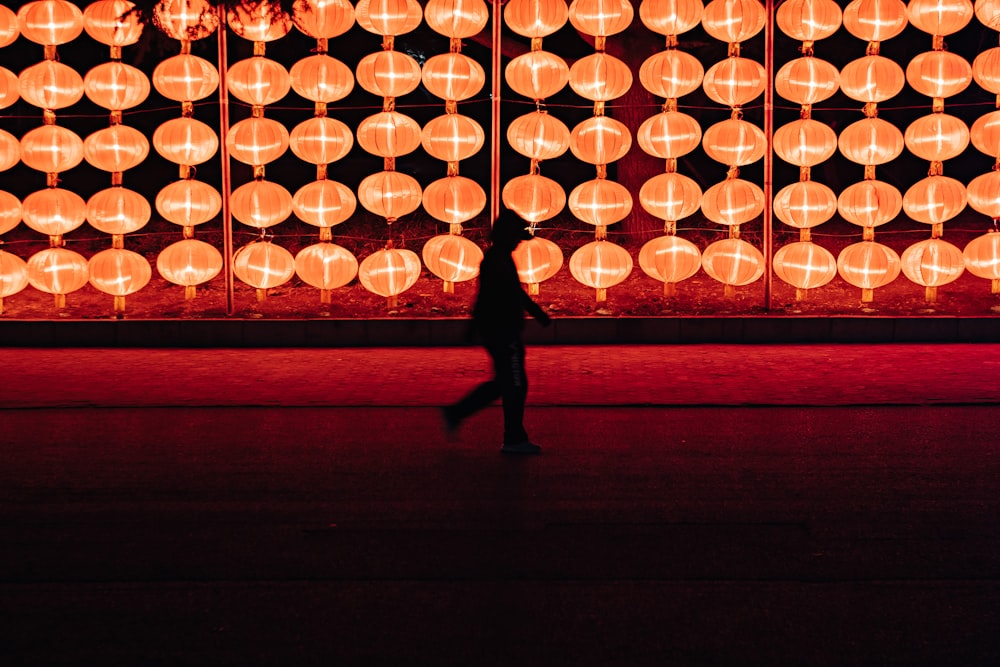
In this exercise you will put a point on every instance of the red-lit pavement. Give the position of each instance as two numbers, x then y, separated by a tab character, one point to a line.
317	516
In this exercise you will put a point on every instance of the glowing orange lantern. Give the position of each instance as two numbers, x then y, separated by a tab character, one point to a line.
671	73
870	203
600	202
534	197
982	258
733	262
261	204
670	196
600	265
986	70
734	81
112	22
669	259
50	85
600	77
185	20
808	20
324	203
326	266
600	140
116	86
321	140
669	135
388	73
868	265
388	17
258	81
453	76
13	276
257	141
454	199
804	266
9	29
538	135
988	13
535	18
51	149
54	211
939	73
671	17
189	263
601	17
188	203
807	80
984	194
320	78
389	134
872	79
50	22
390	194
263	265
10	211
9	93
452	258
875	20
323	19
118	210
119	272
732	202
733	21
805	204
985	134
185	141
259	21
805	142
934	199
457	19
937	137
932	263
939	17
452	137
10	150
734	142
57	271
537	74
185	78
389	272
537	260
871	141
116	148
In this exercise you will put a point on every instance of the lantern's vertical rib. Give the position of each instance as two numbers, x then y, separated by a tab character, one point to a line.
769	7
495	115
227	216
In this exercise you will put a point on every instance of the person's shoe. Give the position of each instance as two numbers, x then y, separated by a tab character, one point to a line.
450	423
523	447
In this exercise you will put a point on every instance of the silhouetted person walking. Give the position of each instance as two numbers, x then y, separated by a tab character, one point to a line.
498	318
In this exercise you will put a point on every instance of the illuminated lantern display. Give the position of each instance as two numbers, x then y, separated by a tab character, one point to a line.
984	194
259	22
263	265
324	204
534	197
389	194
189	263
57	271
9	29
185	20
118	211
389	272
868	265
119	272
537	74
326	266
600	265
982	258
323	19
9	93
112	22
452	258
50	23
537	260
10	211
670	259
188	203
805	205
13	276
54	212
51	149
932	263
261	204
805	266
733	262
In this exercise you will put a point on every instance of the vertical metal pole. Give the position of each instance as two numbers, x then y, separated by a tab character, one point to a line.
769	154
495	123
227	216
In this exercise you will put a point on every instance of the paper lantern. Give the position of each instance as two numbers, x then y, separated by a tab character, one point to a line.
734	81
939	17
389	272
733	262
13	275
600	265
9	92
733	21
453	76
807	80
261	204
388	74
671	73
809	20
263	265
537	260
669	135
57	271
538	135
389	134
868	265
872	79
600	140
257	141
452	137
53	211
321	140
118	210
936	137
600	77
601	17
119	272
320	78
986	70
10	150
537	74
326	266
258	81
188	203
50	85
389	194
982	257
260	21
670	196
932	263
535	18
984	194
988	13
452	258
734	142
875	20
939	73
805	204
454	199
186	20
805	142
805	265
934	199
600	202
323	19
116	86
189	263
116	148
669	259
985	134
9	30
185	78
388	17
871	141
112	22
10	211
457	19
534	197
324	203
51	149
671	17
732	202
870	203
185	141
50	22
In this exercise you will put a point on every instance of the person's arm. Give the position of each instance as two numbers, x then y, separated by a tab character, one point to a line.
533	308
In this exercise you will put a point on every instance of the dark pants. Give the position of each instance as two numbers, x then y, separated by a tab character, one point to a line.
510	383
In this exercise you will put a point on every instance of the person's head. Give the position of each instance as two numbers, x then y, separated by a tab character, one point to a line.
509	230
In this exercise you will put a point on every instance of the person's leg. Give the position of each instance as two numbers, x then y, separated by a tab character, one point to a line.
480	396
514	387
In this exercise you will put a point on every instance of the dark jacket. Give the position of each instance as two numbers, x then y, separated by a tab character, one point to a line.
502	302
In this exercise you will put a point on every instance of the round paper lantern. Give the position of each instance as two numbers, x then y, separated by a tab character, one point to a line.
10	150
9	93
320	78
734	81
452	258
457	19
257	141
388	73
939	73
934	199
185	141
51	149
258	81
188	203
321	140
805	204
390	194
452	137
119	272
537	74
671	17
671	74
185	78
984	194
189	263
13	275
260	21
600	265
323	19
733	21
986	70
326	266
982	256
600	77
9	29
985	134
263	265
53	211
261	204
116	86
600	140
669	259
939	17
453	76
389	134
116	148
50	85
534	197
50	22
537	260
669	135
807	80
454	199
188	20
57	271
805	265
10	211
937	137
389	272
871	141
601	17
875	20
870	203
872	79
809	20
988	13
118	210
538	135
670	196
535	18
112	22
805	142
734	142
932	263
732	202
388	17
868	265
733	262
324	203
600	202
